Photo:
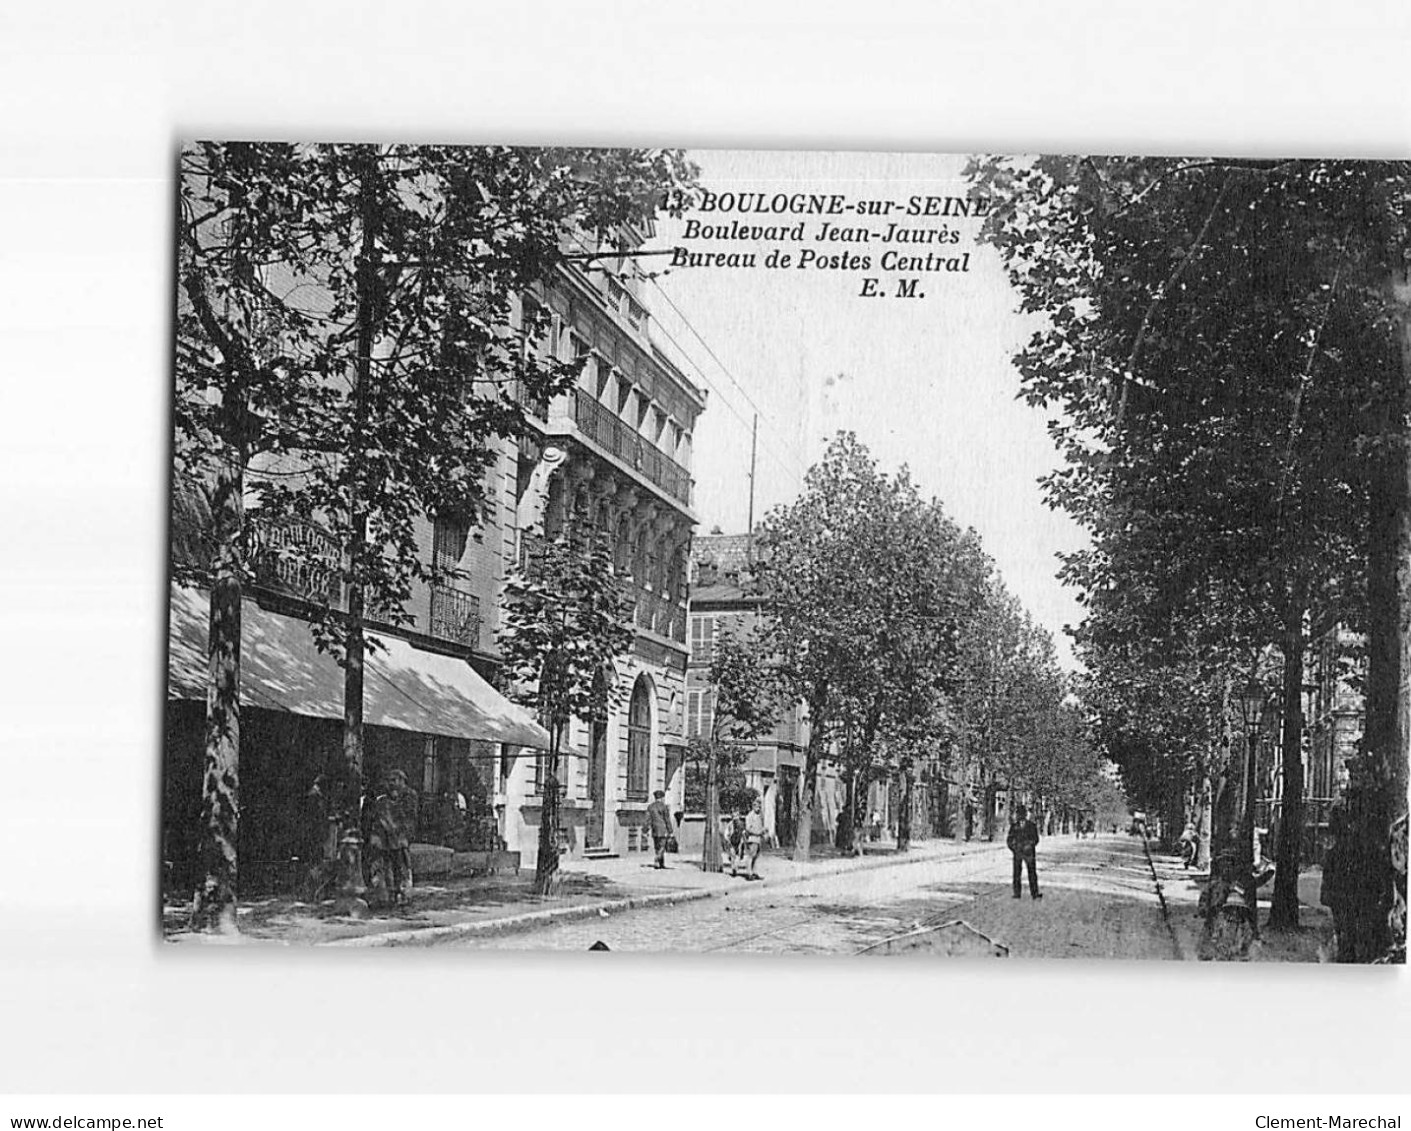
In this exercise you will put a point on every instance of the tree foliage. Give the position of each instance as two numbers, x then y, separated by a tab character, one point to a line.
1217	343
891	624
747	696
351	338
567	622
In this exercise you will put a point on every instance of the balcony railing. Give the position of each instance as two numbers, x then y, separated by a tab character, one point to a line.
455	615
654	612
658	614
613	434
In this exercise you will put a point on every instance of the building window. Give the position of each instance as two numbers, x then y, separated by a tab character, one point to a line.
602	379
639	740
703	639
622	547
448	539
700	713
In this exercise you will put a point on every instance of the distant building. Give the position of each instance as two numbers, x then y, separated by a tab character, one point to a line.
723	601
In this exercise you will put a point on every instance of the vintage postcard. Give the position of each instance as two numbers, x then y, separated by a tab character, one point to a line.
789	552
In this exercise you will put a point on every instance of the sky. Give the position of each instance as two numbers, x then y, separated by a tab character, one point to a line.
926	381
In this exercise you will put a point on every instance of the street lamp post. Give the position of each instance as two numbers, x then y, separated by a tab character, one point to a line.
1252	709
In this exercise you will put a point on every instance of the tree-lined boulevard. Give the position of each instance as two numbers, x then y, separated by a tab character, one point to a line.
1222	349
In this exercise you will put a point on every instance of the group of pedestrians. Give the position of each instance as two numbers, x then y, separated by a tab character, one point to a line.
387	821
744	842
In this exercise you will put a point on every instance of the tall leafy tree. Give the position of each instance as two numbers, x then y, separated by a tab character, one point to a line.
1217	334
567	622
823	568
746	701
238	397
345	313
891	626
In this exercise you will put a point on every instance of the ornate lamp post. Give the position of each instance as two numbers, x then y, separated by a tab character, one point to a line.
1252	700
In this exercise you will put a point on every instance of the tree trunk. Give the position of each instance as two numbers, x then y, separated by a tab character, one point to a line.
1283	912
1377	901
350	880
808	799
710	841
904	816
990	814
213	907
845	836
351	888
808	787
1204	811
546	867
1249	864
1225	936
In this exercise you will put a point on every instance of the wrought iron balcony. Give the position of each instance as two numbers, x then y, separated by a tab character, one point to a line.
659	614
611	433
455	615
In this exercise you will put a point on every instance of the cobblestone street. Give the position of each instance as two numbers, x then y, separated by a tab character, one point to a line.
1099	902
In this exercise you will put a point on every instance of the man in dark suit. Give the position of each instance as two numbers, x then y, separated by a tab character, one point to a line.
661	825
1023	841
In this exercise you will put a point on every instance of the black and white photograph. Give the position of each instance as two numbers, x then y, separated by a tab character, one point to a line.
710	564
788	553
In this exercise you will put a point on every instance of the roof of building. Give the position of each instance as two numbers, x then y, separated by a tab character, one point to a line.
731	552
721	569
721	594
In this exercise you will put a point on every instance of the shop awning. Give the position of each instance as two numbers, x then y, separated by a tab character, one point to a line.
282	670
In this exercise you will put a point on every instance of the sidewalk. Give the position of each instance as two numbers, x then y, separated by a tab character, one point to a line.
490	904
1312	942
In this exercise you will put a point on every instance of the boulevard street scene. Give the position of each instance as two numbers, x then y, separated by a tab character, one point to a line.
1100	901
874	555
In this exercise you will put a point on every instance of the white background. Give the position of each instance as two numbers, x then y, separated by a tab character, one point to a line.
94	97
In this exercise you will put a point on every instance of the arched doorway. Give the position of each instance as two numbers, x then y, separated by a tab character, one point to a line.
593	835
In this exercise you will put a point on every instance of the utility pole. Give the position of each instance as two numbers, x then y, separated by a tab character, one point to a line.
754	449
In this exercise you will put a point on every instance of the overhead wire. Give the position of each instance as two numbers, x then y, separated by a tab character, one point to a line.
791	465
784	465
712	354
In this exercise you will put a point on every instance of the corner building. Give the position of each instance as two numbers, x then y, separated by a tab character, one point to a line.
616	450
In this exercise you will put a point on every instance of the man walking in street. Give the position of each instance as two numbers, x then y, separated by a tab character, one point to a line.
1023	841
754	836
661	825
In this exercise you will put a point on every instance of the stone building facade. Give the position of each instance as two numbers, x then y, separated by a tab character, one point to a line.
615	452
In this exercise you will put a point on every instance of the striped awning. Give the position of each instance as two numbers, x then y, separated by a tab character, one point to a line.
281	669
